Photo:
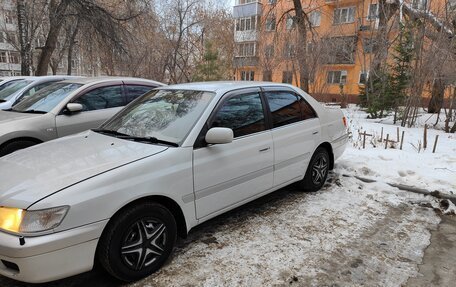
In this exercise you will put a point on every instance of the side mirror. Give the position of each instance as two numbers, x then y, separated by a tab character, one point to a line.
74	107
219	136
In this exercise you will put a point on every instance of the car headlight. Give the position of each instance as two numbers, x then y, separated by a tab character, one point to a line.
29	221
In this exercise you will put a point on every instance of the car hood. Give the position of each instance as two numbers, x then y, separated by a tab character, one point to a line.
7	117
29	175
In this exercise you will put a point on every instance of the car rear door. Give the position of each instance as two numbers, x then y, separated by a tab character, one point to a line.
295	133
227	174
99	104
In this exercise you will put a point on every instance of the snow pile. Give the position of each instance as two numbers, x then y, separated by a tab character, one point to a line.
411	166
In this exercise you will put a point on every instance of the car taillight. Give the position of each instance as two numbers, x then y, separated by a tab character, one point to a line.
344	120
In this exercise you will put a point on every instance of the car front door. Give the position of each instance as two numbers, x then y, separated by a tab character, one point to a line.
295	132
228	174
99	104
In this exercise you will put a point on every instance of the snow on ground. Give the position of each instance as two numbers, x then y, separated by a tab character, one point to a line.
431	171
348	234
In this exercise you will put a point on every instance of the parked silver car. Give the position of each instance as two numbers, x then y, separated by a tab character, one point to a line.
65	108
26	87
6	82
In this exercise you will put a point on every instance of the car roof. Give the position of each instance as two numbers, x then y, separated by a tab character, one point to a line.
96	80
223	86
11	78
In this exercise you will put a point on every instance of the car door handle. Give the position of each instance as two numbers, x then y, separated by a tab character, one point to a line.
315	132
265	149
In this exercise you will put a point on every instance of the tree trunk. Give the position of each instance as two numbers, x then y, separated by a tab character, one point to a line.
301	50
438	91
70	48
24	41
56	20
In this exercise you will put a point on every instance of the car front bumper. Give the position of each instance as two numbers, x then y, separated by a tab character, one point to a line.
50	257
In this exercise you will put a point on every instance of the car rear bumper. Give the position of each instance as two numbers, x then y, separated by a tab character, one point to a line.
339	145
49	257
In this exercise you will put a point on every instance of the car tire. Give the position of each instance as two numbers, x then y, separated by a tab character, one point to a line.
137	242
317	171
15	145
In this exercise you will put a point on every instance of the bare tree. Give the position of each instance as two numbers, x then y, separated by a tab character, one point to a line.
106	25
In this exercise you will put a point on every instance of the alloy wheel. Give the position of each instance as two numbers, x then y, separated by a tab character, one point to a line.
319	169
143	243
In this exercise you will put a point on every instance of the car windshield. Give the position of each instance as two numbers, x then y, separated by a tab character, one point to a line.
5	85
47	98
7	92
166	115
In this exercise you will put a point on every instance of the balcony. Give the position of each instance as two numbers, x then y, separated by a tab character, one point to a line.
239	62
247	10
246	36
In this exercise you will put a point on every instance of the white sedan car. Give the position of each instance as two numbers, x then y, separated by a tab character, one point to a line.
172	159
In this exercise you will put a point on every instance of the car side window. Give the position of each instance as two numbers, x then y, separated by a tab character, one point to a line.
243	114
101	98
285	108
134	91
306	109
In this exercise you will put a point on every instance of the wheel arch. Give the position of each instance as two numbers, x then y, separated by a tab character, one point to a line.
17	139
167	202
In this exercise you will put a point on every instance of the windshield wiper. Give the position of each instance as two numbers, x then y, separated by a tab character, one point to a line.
134	138
109	132
152	140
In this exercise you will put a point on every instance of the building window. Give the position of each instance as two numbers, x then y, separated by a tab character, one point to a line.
239	2
287	77
3	57
363	75
247	76
344	15
13	58
315	18
2	37
337	77
246	49
246	24
419	4
290	23
269	51
74	63
369	45
272	2
267	76
288	51
373	12
11	37
342	49
10	17
271	23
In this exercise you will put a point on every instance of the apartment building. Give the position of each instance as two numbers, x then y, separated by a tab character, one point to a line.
9	57
344	30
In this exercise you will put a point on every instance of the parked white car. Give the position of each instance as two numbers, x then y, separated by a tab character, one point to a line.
170	160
